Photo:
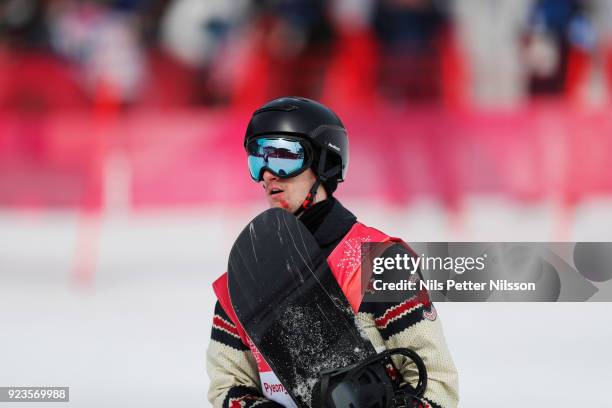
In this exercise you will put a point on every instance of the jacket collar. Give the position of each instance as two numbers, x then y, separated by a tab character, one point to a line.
336	225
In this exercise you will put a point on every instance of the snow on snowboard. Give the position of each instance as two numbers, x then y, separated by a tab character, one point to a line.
290	304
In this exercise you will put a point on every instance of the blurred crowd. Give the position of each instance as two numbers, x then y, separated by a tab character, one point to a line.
57	54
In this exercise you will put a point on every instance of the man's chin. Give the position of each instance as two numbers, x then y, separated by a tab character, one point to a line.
280	204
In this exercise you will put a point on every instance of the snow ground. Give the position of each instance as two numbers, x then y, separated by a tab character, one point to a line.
137	335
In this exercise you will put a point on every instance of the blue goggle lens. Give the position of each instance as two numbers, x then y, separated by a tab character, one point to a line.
283	157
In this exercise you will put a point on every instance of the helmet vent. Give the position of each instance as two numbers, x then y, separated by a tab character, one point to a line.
287	108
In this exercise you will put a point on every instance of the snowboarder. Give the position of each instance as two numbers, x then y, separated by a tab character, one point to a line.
298	150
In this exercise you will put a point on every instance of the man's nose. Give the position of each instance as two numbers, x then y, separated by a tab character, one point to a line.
268	177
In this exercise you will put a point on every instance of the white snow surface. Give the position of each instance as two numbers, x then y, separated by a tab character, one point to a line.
137	334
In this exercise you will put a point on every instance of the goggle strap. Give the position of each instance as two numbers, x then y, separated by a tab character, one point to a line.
324	175
322	159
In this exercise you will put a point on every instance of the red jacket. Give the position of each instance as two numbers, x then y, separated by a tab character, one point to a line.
344	263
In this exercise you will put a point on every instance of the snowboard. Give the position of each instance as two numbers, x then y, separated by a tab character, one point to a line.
291	306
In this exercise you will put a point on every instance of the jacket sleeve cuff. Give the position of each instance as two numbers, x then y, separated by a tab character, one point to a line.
246	397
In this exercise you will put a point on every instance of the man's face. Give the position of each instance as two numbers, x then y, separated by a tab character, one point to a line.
290	193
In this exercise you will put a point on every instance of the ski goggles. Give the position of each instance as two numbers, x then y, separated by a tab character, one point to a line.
283	156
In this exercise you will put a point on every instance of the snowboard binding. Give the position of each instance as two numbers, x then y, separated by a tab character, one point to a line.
367	385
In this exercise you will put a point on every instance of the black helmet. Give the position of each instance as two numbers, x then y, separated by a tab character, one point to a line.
312	121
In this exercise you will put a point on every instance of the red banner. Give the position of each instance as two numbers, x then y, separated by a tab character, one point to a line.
195	157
